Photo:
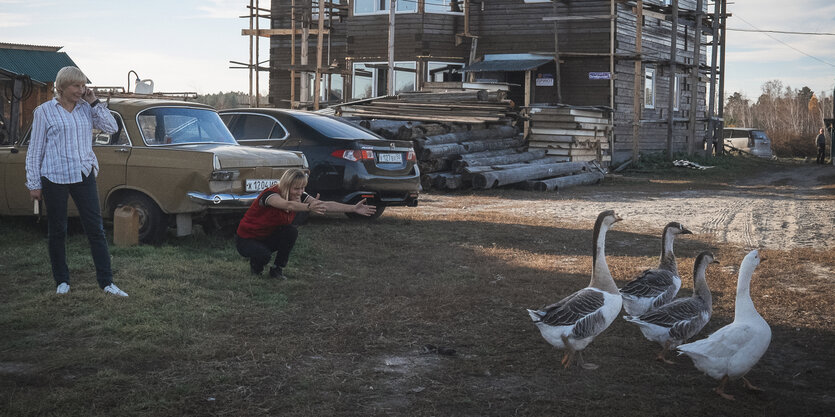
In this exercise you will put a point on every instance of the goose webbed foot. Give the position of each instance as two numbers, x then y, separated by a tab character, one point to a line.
569	353
721	389
750	386
662	356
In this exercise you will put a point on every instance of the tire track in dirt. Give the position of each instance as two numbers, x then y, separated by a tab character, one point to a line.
787	207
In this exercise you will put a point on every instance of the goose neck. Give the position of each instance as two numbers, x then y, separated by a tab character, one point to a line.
601	278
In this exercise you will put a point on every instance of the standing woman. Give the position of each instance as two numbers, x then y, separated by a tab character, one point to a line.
267	225
60	163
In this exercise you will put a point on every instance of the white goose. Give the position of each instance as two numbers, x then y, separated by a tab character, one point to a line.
658	286
672	324
573	322
733	350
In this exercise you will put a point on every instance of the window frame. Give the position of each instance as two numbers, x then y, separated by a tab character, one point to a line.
378	10
649	87
450	12
375	77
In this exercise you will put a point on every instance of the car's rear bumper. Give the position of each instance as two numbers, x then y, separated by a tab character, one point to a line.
222	201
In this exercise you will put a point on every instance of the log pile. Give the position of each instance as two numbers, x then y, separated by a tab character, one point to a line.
466	139
571	133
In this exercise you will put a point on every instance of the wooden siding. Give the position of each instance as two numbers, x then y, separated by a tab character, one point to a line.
512	26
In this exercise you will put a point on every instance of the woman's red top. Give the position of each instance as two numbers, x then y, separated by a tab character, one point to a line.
261	220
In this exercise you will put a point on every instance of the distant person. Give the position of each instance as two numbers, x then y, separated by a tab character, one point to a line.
821	142
267	226
60	163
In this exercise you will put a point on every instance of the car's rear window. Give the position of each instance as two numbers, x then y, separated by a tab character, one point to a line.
758	134
178	125
334	128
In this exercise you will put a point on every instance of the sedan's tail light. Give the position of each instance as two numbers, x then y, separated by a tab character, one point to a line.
354	155
411	155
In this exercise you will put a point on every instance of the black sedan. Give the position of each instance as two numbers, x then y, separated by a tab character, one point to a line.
347	163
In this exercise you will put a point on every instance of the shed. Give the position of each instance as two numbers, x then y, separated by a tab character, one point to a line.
27	75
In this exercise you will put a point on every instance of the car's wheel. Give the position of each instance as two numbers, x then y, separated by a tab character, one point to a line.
374	216
152	221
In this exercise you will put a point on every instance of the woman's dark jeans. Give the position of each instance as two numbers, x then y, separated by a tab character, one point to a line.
259	252
86	199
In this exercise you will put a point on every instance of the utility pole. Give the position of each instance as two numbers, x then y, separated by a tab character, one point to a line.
390	78
673	92
317	83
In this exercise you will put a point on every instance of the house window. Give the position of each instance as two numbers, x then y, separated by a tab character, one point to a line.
649	88
444	6
443	71
335	94
677	92
370	78
382	6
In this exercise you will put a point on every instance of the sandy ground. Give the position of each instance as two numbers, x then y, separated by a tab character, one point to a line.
788	207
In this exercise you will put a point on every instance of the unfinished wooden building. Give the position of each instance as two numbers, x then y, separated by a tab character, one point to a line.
654	63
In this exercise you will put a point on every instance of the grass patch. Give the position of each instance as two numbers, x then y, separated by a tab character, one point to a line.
348	333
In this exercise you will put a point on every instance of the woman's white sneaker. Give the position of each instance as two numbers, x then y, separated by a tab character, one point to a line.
113	289
63	288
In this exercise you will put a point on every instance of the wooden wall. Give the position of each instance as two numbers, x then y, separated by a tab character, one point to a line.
512	26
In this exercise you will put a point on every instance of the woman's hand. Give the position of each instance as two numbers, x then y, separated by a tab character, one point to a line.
363	209
89	95
314	205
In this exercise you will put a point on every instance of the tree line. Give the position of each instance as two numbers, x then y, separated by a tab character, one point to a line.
790	117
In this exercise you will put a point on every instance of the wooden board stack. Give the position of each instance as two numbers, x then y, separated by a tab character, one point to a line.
572	133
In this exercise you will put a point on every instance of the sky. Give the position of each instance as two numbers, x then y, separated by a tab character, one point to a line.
186	45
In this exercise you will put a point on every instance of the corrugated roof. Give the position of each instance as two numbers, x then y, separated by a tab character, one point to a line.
507	65
41	66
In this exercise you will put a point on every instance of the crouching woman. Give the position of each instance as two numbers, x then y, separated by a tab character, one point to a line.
267	225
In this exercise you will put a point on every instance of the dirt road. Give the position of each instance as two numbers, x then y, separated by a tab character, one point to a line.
790	206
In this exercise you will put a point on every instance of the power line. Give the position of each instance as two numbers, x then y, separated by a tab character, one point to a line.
778	40
780	31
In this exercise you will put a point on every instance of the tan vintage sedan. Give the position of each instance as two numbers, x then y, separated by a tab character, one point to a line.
174	161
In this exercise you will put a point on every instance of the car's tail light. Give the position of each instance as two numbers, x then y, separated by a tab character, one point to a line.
411	155
224	175
354	155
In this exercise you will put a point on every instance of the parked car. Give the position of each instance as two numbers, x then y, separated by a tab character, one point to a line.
174	161
753	141
347	162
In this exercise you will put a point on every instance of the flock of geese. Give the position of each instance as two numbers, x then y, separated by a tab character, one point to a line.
649	300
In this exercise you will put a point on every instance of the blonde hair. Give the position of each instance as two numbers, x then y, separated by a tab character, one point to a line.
292	177
68	75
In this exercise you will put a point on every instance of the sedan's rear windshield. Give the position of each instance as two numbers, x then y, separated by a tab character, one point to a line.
759	134
334	128
178	125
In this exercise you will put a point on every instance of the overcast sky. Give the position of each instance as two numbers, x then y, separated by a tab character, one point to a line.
186	45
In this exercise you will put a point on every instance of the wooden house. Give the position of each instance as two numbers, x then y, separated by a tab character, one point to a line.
27	78
643	60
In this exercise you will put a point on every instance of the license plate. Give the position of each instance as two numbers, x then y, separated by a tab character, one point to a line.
390	158
259	185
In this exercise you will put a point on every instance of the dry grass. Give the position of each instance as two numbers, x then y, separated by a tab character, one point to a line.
348	334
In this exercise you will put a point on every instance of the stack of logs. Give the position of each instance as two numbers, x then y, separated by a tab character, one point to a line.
571	133
456	156
466	139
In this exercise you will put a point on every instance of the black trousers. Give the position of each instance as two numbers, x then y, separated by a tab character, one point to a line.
259	252
821	155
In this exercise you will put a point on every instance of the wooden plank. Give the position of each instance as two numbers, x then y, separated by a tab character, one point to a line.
266	33
574	132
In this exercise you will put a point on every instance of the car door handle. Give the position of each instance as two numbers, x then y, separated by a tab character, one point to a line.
124	150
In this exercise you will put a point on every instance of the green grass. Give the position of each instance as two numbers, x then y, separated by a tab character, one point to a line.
346	335
724	167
